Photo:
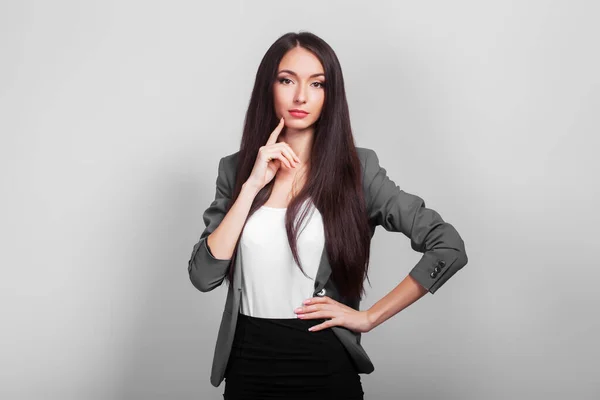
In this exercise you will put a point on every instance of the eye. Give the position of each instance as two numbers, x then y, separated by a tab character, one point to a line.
283	81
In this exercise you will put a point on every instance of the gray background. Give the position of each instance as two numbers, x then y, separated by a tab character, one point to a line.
113	117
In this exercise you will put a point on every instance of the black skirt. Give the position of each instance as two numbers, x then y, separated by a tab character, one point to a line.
279	358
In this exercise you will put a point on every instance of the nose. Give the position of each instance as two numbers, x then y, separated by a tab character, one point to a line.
301	95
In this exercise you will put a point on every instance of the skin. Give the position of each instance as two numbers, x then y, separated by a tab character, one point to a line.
297	89
299	84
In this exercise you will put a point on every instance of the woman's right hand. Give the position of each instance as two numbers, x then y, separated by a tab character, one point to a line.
270	158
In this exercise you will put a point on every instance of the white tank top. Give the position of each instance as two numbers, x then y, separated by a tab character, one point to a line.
272	283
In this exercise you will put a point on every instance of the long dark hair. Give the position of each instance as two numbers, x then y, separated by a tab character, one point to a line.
334	178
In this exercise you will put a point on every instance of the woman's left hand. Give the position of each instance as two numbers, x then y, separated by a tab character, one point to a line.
340	314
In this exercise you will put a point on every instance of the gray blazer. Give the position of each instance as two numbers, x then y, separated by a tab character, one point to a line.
387	205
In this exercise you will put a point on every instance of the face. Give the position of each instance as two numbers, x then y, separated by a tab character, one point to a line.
300	84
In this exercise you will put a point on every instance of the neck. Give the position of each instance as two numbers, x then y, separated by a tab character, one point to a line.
299	140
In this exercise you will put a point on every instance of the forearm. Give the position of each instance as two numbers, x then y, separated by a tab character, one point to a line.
407	292
223	239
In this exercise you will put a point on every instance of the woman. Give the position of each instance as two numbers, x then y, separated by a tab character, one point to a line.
290	230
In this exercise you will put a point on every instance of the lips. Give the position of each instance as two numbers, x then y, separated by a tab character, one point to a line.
298	111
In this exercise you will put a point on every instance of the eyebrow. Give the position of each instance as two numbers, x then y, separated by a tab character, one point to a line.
295	74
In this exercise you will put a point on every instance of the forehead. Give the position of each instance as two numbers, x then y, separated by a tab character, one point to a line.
301	61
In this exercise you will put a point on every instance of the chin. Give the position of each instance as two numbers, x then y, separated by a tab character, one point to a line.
299	122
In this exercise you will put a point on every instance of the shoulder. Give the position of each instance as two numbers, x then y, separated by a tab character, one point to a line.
364	153
369	162
228	164
230	159
227	171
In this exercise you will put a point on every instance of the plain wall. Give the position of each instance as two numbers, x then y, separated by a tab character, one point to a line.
114	115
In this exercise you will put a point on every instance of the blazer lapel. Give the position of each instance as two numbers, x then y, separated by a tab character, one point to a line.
323	272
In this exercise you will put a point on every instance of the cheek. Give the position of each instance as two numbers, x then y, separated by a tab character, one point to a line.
279	98
320	103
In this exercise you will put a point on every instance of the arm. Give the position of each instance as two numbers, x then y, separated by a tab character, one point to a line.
211	255
398	211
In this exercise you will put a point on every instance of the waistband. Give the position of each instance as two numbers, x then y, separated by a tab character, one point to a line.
296	323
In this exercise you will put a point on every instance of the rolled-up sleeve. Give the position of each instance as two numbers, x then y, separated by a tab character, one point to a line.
398	211
207	272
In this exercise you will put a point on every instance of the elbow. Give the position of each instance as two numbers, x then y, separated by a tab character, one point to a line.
206	272
197	280
456	243
439	265
205	277
463	259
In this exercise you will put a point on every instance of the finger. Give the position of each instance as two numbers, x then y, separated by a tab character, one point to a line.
273	137
321	326
284	151
327	300
320	314
277	163
284	158
277	155
289	155
271	154
291	151
326	308
321	299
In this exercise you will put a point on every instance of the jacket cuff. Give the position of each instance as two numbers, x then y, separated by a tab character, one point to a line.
436	267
